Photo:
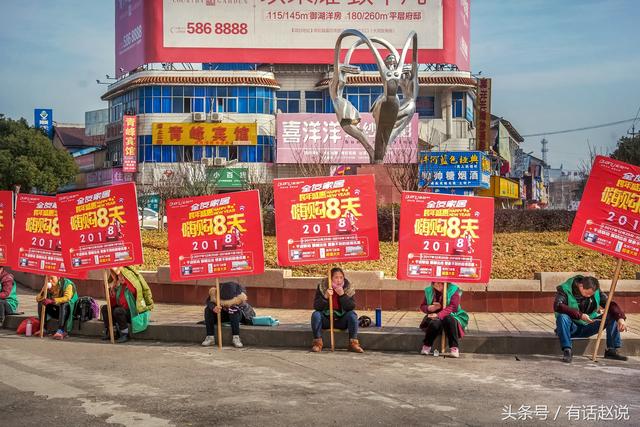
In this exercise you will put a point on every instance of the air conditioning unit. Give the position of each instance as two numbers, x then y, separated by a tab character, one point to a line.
199	117
216	117
107	164
207	161
219	161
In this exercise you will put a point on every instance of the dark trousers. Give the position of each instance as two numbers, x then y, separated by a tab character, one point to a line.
5	309
57	311
211	320
433	328
347	321
121	316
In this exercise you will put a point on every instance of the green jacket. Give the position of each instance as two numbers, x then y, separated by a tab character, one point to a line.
141	306
460	315
567	289
63	284
12	299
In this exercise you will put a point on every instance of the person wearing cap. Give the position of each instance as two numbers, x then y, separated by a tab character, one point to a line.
578	306
233	308
446	317
60	300
131	303
8	295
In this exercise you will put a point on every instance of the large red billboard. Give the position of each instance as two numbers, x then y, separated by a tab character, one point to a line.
36	243
100	227
6	225
277	31
323	220
215	236
608	218
445	237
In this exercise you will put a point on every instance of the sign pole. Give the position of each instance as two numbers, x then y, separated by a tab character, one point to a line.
444	304
43	309
219	313
333	346
105	277
614	282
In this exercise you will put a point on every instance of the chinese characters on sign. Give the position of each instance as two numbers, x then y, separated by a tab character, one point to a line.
483	106
6	225
204	133
326	220
608	218
215	236
129	144
447	169
318	138
100	227
445	237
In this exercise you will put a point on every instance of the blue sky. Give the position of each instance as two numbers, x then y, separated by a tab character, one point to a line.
554	64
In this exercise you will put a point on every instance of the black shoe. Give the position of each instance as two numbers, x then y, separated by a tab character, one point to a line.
105	336
613	354
567	355
123	338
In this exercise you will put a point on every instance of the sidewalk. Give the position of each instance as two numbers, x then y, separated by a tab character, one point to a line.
502	333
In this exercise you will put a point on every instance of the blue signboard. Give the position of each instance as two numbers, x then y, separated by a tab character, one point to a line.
450	169
43	119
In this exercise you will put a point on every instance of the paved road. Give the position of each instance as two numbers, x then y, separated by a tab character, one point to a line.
90	383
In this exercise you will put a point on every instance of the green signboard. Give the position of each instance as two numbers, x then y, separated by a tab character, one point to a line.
229	177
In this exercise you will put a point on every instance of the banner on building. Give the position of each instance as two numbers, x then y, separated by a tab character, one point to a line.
215	236
483	115
318	138
6	226
43	119
445	238
608	218
204	133
37	245
454	169
273	31
129	144
100	227
326	220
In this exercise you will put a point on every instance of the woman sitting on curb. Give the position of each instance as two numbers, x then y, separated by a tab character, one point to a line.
60	300
234	308
452	318
344	317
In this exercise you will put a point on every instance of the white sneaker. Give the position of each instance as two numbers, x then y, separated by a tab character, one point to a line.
426	350
454	352
236	341
208	341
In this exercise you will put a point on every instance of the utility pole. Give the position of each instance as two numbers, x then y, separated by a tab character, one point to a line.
633	131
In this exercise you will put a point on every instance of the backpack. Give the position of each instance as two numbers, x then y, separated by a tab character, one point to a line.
85	310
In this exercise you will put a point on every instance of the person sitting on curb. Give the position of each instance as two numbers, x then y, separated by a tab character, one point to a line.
344	317
451	319
234	308
60	301
8	295
577	306
131	302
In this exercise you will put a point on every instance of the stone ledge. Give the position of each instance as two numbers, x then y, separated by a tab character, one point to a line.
549	281
513	285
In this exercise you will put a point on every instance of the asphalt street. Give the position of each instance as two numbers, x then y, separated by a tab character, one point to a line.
91	383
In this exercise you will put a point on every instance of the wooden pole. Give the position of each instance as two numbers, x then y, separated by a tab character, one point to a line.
43	309
614	282
219	314
108	297
444	304
333	343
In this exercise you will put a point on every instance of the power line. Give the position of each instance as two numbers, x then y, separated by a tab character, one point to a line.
556	132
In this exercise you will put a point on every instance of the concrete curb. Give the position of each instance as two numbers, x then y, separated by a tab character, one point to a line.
385	339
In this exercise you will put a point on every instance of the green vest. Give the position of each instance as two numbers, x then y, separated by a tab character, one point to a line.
461	316
572	302
72	302
12	299
139	321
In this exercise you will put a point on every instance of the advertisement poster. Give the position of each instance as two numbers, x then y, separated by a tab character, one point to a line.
129	144
454	169
215	236
323	220
6	225
204	133
100	227
37	246
445	237
608	218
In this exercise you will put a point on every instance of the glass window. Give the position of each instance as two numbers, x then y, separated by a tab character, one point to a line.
294	106
166	153
178	90
425	106
177	105
282	106
243	105
148	107
166	90
198	105
166	105
148	153
157	153
223	152
243	91
156	105
233	152
197	153
186	105
232	105
199	91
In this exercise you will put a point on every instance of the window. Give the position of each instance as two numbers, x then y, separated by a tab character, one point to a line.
425	106
287	101
457	103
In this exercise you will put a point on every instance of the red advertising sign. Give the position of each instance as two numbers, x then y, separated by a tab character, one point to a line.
324	220
608	218
37	246
445	237
129	144
100	227
215	236
6	225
